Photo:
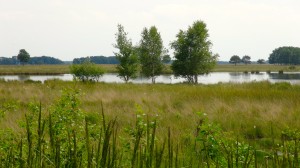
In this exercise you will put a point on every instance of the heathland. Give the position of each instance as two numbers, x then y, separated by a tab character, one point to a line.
236	107
249	125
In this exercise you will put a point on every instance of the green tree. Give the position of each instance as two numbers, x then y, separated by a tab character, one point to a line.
285	55
246	59
235	59
127	56
261	61
166	59
86	71
151	51
23	56
192	53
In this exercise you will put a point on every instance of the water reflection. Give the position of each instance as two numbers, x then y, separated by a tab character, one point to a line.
239	76
212	78
285	76
23	77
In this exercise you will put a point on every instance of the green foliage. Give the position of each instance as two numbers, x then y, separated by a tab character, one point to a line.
235	59
127	56
45	60
65	113
261	61
246	59
192	53
8	106
64	137
285	55
97	60
86	71
23	56
151	51
166	59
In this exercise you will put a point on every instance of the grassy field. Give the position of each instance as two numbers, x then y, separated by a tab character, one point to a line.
255	114
43	69
63	69
236	107
256	67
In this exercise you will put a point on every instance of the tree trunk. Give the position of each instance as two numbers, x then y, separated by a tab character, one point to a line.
153	80
196	79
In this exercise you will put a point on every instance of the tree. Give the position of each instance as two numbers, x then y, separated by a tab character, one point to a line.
246	59
192	53
44	60
261	61
235	60
285	55
86	71
127	56
23	56
150	52
166	59
97	60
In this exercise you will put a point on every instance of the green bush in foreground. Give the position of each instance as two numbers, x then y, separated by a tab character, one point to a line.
63	137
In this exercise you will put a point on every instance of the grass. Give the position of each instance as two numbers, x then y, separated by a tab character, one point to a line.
256	67
64	69
43	69
254	114
236	107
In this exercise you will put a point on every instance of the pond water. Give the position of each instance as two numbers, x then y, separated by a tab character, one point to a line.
212	78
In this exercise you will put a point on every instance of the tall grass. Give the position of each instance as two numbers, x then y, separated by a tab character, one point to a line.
75	139
222	125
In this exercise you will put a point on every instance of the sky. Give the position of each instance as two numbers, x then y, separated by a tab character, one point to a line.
68	29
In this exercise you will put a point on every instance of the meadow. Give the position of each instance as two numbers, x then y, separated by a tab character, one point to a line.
73	124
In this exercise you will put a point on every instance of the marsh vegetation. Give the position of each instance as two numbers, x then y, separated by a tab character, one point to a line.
72	124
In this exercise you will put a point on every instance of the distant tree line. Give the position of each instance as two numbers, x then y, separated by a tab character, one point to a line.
281	55
44	60
285	55
235	59
97	60
33	60
9	61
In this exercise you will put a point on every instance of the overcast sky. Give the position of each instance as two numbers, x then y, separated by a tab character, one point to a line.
67	29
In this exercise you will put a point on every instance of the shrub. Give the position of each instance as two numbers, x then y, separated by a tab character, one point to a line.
86	71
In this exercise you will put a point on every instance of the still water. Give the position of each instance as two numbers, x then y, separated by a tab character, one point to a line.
212	78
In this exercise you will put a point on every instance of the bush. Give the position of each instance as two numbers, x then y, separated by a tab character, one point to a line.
86	71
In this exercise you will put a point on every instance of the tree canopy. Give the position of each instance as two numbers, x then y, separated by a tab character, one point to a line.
166	59
285	55
261	61
97	60
246	59
23	56
44	60
235	59
126	55
32	60
86	71
192	53
151	51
